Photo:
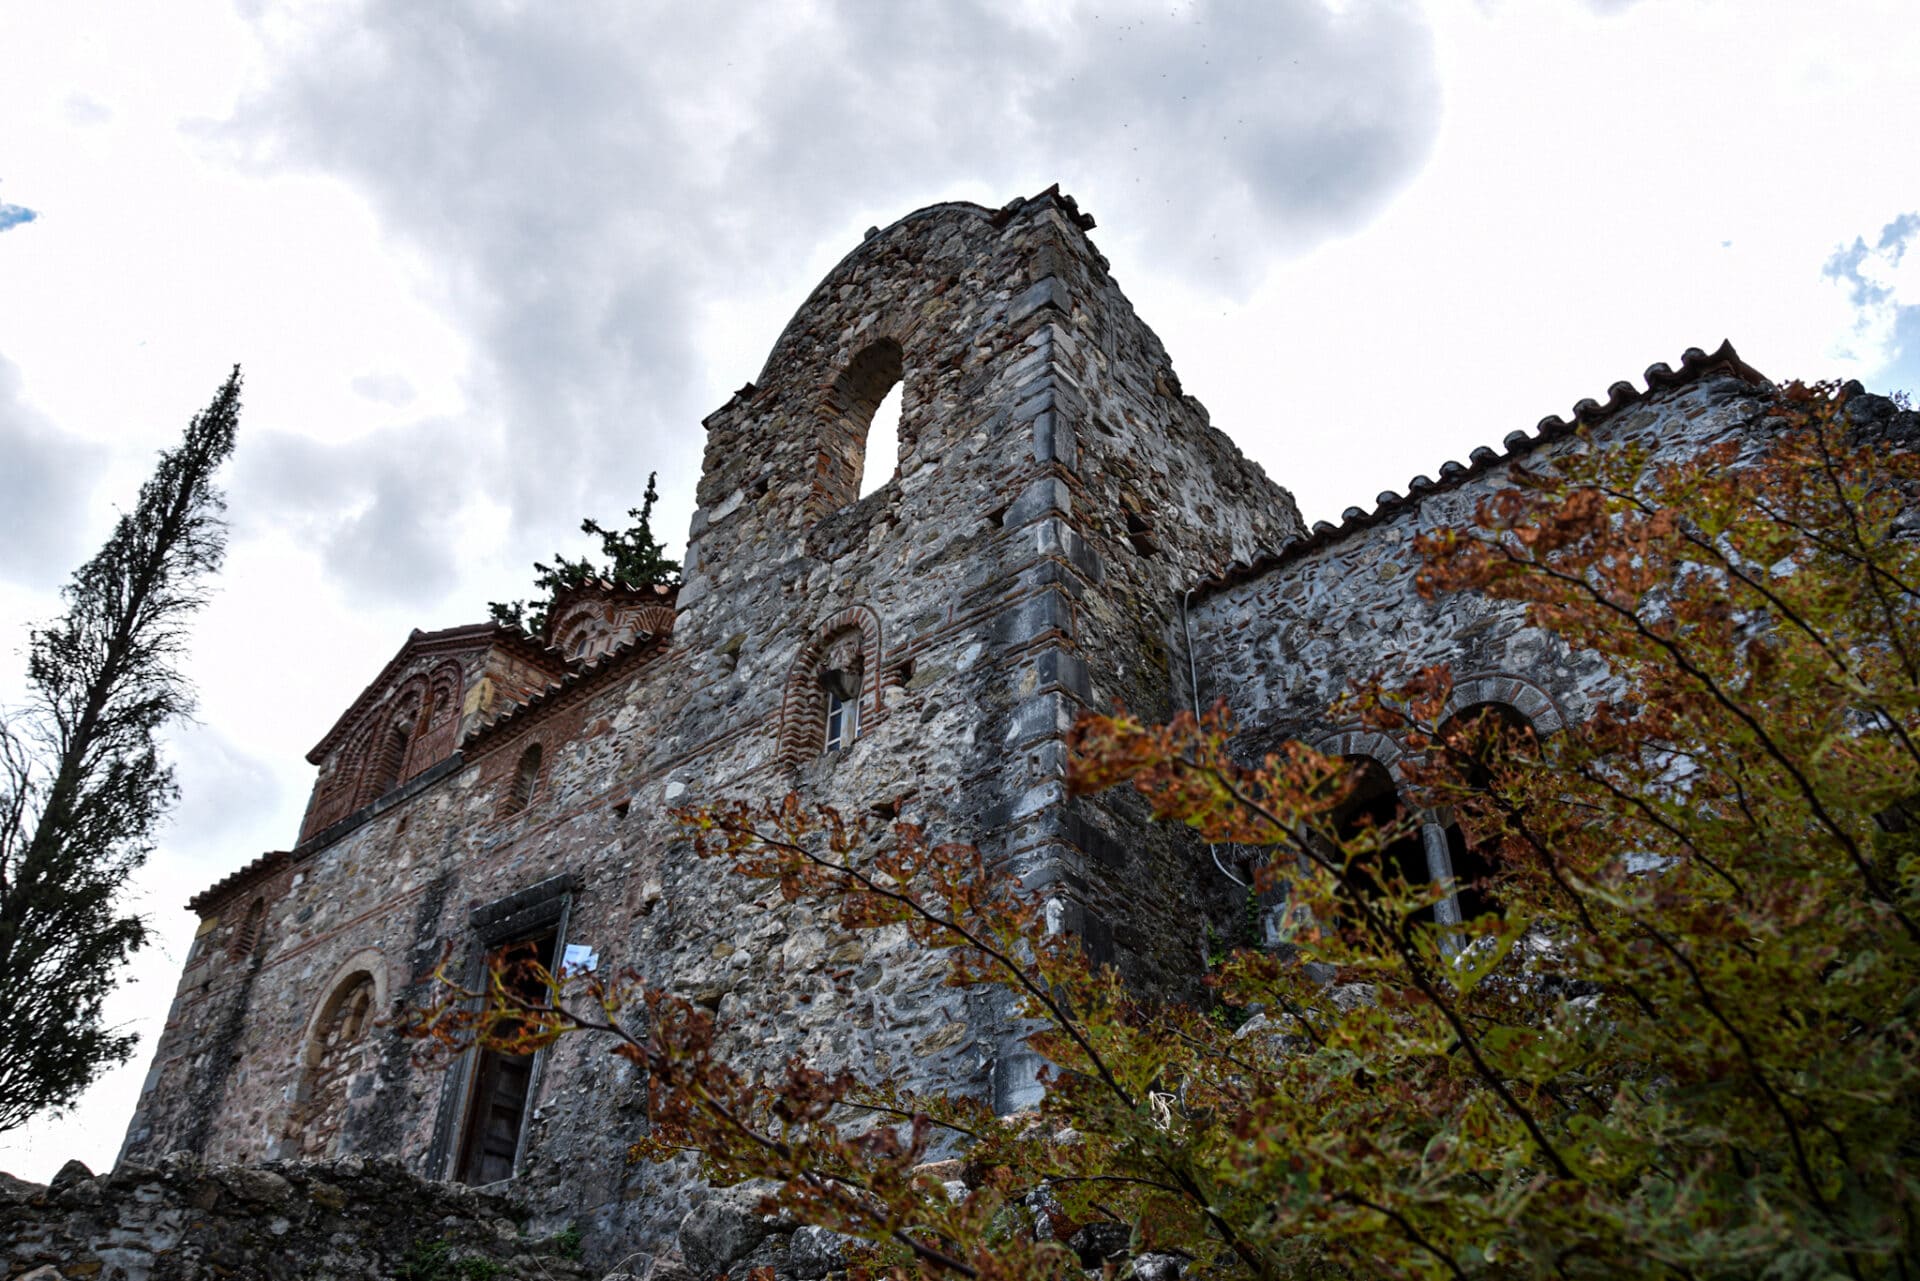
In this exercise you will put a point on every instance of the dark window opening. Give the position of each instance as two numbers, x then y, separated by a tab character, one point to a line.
1472	873
497	1100
1476	732
1373	803
525	777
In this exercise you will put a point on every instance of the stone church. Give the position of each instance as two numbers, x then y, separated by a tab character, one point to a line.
1064	528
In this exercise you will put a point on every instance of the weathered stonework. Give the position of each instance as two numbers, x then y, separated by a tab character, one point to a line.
1064	529
1281	640
1055	495
348	1220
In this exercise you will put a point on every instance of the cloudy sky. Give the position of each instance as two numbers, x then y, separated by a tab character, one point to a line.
487	265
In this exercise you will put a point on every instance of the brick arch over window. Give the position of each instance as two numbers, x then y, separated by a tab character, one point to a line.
336	1049
394	732
529	770
1533	703
1371	744
803	703
845	415
656	620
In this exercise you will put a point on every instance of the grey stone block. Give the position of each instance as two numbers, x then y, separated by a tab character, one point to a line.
1040	294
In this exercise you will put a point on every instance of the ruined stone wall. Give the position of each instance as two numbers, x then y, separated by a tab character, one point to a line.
1151	499
184	1220
1054	495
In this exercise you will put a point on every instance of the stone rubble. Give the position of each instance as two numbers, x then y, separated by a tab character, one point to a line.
348	1220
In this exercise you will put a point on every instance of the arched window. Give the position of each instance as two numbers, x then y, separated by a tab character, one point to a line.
847	428
1474	732
832	695
526	776
1374	803
338	1050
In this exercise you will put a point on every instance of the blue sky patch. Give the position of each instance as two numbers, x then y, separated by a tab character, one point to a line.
12	216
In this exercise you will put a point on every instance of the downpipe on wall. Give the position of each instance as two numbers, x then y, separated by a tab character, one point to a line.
1193	690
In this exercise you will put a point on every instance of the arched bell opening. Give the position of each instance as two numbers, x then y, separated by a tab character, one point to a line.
854	459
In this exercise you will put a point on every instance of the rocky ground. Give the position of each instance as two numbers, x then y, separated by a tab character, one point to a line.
347	1220
353	1220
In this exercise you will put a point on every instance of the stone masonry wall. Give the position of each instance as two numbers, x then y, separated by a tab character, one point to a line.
1281	641
1283	644
184	1220
1055	494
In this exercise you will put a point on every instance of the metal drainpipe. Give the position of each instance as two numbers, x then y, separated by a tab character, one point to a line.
1193	687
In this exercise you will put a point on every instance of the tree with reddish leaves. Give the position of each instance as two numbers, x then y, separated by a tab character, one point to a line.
1683	1044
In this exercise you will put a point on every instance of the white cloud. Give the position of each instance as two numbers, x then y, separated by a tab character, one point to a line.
43	489
588	188
1882	282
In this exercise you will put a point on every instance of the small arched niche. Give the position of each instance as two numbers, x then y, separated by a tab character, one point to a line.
526	777
337	1049
843	471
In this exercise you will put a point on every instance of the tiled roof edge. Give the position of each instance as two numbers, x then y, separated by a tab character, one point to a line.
1694	366
233	882
488	633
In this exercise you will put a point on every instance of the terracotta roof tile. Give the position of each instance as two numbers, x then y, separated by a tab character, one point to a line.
1694	365
233	882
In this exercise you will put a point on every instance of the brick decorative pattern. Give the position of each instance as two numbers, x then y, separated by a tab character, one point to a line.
803	702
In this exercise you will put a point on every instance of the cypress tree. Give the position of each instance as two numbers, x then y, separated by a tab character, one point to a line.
82	782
